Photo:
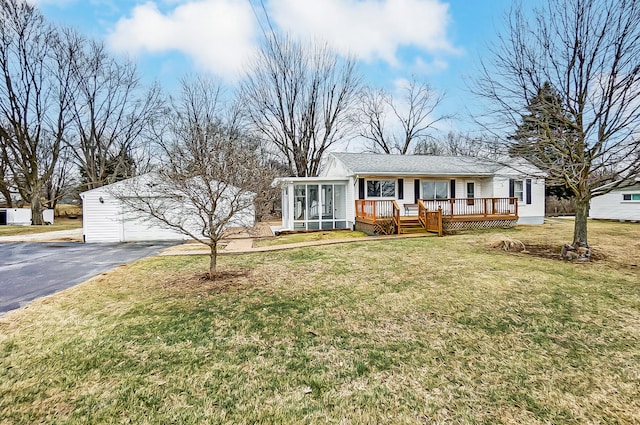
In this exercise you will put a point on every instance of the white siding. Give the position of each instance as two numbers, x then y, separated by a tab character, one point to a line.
101	221
351	201
19	216
611	206
529	213
109	221
334	169
22	216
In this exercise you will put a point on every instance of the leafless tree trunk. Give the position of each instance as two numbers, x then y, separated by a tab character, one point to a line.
301	100
396	126
62	181
587	51
35	81
6	180
111	116
210	175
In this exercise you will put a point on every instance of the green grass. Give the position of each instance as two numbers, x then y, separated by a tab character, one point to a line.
58	224
440	330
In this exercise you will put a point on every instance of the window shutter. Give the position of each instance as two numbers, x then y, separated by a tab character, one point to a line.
360	188
528	191
416	190
400	188
512	190
452	190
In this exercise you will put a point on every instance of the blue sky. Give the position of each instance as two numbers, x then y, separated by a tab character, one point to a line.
434	40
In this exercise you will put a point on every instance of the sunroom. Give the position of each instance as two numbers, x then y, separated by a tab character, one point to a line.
314	203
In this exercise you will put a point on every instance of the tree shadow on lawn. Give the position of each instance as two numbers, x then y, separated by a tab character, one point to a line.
198	283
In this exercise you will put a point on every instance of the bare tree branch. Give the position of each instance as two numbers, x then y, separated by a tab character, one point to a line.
300	100
397	126
587	51
210	175
35	94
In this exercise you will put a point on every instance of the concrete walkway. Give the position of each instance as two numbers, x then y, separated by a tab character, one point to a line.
244	245
235	243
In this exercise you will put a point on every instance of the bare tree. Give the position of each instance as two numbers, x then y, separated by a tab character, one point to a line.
6	180
396	126
36	90
62	181
211	172
460	144
111	115
587	52
300	99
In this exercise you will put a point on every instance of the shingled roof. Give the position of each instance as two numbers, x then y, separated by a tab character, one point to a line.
415	165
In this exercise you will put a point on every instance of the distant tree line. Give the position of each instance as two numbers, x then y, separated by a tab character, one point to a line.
564	90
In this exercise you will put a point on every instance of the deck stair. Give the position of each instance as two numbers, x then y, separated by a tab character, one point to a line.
411	224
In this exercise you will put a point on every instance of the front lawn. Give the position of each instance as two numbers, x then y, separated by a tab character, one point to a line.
442	330
59	223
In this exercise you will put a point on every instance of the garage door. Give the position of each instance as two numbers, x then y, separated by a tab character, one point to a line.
138	230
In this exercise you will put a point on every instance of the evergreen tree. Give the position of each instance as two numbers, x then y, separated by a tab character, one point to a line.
544	137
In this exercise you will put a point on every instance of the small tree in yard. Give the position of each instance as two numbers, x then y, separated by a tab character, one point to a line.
210	175
567	78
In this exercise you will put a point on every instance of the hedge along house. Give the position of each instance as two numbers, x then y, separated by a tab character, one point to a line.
622	203
386	194
107	217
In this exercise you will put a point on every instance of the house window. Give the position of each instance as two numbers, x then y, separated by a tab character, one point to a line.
521	189
631	197
435	189
518	190
471	190
381	188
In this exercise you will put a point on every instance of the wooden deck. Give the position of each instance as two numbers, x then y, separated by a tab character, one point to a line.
437	215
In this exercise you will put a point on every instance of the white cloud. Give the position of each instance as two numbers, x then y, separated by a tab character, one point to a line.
370	29
51	2
218	35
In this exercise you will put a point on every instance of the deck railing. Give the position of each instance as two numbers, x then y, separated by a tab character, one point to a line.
484	207
474	206
396	216
430	220
372	210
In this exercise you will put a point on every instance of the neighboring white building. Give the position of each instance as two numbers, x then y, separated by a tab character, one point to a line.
22	216
620	204
106	218
460	186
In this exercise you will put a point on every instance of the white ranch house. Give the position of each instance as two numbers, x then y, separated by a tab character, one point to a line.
622	203
400	193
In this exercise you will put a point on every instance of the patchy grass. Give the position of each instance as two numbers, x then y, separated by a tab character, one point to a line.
59	223
308	237
442	330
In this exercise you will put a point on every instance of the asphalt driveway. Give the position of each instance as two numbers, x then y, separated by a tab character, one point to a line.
30	270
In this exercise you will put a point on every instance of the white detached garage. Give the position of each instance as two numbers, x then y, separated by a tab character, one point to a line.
107	218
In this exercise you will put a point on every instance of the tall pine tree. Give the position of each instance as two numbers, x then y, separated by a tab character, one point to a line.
545	136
